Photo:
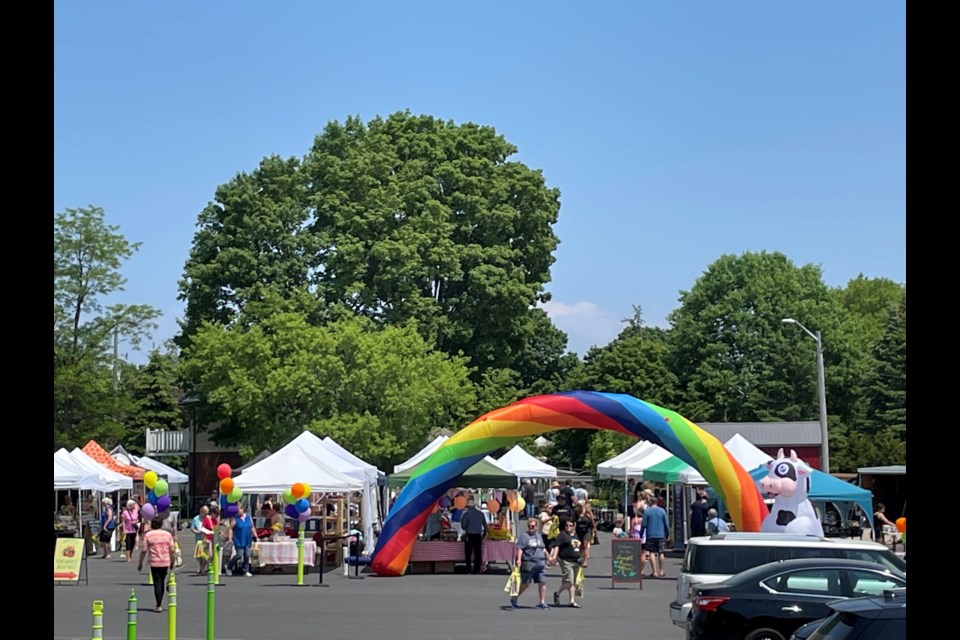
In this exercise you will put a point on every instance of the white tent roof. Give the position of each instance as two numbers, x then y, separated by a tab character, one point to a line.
108	479
520	463
340	452
420	456
652	456
292	464
746	453
613	468
67	474
172	475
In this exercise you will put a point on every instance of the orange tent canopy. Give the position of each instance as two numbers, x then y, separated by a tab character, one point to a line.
99	454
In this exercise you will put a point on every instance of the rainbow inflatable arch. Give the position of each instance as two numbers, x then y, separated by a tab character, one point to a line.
545	414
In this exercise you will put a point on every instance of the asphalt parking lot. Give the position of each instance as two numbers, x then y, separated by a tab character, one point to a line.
271	605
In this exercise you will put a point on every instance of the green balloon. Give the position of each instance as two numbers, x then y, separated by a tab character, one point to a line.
903	537
288	497
236	494
160	488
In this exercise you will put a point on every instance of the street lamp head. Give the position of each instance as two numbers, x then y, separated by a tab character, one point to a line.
788	321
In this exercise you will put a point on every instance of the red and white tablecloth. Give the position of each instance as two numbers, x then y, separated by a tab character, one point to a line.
286	552
493	551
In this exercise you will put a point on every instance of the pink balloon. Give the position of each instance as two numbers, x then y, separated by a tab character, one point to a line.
149	511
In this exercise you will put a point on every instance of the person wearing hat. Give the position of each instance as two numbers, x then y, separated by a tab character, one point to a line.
474	526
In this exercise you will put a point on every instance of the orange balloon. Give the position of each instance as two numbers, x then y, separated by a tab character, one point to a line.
901	524
226	486
297	489
460	502
493	506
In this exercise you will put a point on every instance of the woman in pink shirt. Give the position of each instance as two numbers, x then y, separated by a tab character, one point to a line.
158	543
131	522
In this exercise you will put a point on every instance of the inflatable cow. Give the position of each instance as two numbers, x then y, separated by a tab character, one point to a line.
788	481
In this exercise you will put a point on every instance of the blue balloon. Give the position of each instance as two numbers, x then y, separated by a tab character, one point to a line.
151	497
302	505
224	501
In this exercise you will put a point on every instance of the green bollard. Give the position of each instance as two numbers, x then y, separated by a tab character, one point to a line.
216	560
172	608
211	596
300	556
132	615
97	620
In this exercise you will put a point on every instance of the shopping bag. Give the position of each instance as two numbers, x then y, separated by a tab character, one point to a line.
513	582
579	582
178	562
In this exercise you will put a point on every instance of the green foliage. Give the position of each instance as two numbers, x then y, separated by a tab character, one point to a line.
377	392
605	445
87	256
155	401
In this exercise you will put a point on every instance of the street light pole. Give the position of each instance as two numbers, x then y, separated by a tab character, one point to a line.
821	386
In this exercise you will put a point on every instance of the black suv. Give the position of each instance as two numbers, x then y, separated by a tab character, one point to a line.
873	618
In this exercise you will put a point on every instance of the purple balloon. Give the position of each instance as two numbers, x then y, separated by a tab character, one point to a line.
231	511
303	517
163	503
444	502
149	511
291	511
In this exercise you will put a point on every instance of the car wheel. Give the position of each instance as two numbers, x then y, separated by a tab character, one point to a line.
764	634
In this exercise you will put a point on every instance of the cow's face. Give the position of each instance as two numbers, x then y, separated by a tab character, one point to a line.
785	476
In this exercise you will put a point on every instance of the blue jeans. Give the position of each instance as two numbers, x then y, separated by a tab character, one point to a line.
530	510
241	558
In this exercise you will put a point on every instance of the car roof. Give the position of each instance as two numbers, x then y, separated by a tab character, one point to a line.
892	604
779	566
786	539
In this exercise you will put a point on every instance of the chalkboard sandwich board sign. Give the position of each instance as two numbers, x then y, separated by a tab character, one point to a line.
626	558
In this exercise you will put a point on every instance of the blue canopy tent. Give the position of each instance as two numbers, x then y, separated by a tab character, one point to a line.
823	488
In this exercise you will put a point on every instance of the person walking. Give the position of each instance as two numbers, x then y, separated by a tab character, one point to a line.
108	522
656	528
567	553
529	497
158	544
715	524
131	524
698	516
474	526
244	534
200	553
532	560
586	524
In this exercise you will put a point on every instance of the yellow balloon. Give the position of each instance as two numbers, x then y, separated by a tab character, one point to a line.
520	504
149	479
307	491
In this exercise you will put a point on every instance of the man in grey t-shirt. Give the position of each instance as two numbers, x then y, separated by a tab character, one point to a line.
532	559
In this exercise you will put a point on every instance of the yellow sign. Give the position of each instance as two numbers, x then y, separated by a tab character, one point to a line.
67	557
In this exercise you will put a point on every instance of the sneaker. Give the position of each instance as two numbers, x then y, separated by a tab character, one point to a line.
248	574
575	605
556	599
543	605
513	603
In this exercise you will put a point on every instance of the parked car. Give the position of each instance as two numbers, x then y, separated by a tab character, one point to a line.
715	558
771	601
869	618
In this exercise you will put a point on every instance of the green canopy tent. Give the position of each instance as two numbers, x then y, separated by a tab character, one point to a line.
485	475
671	471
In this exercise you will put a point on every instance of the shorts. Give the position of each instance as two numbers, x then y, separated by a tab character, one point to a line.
130	541
568	570
535	573
654	545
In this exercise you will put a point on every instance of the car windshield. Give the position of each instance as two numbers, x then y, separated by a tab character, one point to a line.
837	627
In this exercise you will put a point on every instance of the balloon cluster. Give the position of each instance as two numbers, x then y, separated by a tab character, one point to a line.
297	499
158	498
230	493
901	524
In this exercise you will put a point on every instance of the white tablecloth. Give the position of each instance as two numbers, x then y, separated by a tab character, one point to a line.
286	552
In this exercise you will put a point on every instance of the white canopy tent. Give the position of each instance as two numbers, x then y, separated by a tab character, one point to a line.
746	453
292	464
109	479
520	463
613	468
68	475
171	475
421	455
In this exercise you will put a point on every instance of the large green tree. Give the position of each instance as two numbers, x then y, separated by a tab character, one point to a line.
734	357
87	257
378	392
156	399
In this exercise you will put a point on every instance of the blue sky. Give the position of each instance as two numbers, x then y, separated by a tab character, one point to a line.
676	132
